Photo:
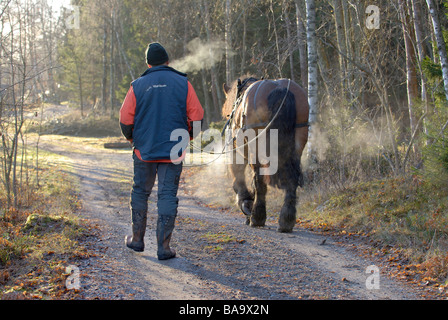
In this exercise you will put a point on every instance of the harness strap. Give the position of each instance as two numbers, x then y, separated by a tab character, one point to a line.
264	124
303	125
237	102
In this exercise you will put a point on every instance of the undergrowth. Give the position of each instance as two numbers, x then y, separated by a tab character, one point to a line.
407	213
41	238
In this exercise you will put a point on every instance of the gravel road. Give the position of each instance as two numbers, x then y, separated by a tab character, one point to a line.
219	257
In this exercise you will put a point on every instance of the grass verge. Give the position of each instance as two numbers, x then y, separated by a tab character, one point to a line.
406	219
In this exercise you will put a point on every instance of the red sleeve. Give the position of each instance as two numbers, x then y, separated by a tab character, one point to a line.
194	107
127	112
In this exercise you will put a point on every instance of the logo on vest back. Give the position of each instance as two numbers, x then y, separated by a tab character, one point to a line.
156	86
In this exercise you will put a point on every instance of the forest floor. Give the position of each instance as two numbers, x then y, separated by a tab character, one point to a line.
218	256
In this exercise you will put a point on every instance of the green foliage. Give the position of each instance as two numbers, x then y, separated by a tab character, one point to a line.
444	159
432	70
436	163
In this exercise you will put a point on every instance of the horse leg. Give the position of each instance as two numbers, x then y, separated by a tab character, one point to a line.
287	219
288	212
258	218
244	198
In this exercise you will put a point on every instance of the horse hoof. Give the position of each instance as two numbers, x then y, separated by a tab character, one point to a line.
246	207
257	225
285	229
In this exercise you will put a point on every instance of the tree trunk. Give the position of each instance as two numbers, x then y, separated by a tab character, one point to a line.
80	91
411	74
340	34
279	62
208	107
353	76
112	64
123	53
289	40
441	46
312	75
228	38
421	55
244	38
216	90
104	79
301	37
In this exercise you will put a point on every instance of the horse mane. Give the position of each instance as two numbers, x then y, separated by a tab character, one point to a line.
231	96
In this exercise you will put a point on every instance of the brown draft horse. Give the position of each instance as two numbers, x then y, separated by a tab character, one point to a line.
255	104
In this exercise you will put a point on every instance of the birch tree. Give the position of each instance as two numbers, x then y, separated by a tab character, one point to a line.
441	46
312	74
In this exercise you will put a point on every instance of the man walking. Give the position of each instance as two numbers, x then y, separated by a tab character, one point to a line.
160	101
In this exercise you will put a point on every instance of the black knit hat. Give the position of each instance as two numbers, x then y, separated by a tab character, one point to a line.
156	54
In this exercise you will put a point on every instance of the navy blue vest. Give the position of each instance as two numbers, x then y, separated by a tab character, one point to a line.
161	94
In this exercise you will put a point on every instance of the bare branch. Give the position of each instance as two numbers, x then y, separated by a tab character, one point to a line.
29	78
4	9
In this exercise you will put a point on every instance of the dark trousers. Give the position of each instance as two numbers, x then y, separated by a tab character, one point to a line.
168	184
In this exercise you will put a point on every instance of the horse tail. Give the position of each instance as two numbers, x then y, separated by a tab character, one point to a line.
286	119
289	171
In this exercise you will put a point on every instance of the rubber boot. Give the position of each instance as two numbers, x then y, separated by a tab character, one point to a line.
165	227
135	242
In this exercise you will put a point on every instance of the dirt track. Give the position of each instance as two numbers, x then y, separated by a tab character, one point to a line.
219	257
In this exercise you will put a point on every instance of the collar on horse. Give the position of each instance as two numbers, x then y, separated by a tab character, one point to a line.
243	84
239	96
